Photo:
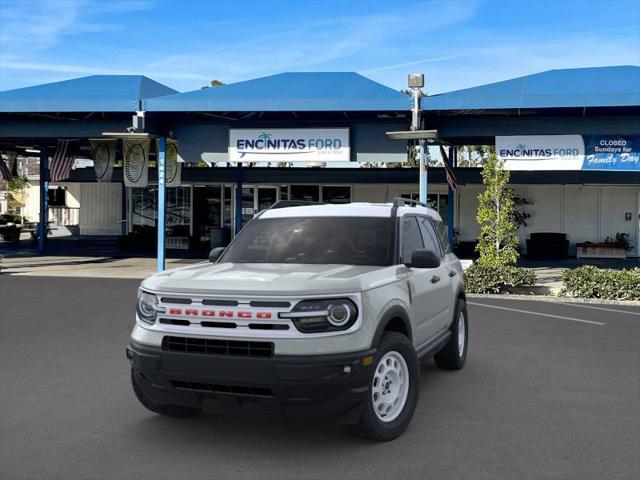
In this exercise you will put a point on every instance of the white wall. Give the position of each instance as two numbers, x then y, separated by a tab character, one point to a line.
583	212
100	208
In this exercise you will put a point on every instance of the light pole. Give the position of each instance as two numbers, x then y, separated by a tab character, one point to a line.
416	83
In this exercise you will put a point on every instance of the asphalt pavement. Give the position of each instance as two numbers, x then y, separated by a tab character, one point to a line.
550	391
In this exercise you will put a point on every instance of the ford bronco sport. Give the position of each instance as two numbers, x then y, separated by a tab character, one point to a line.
315	310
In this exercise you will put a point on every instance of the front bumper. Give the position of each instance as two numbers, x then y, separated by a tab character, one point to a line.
314	385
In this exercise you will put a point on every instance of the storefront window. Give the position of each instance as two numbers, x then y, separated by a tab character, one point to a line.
307	193
144	206
336	194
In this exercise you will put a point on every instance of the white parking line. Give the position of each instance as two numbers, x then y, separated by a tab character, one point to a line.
536	313
599	308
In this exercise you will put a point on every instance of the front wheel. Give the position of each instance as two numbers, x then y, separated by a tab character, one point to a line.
394	390
454	354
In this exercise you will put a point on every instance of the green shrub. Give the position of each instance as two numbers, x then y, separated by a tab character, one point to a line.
592	282
495	278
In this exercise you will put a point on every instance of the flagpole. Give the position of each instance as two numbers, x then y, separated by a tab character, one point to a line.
44	200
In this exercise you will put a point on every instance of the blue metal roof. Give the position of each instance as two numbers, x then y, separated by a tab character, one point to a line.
96	93
288	92
576	87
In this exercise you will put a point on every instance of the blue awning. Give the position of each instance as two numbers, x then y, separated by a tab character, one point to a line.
288	92
96	93
570	88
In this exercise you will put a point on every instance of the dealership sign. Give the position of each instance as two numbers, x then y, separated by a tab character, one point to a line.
611	152
569	152
289	145
541	152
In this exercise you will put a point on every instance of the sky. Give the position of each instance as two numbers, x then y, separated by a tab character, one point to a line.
185	44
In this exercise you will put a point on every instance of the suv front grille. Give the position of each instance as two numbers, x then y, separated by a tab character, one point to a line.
215	388
238	348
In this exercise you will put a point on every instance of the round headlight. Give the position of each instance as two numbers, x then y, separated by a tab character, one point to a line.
147	306
339	314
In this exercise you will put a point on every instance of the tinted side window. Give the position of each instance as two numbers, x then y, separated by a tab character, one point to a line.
431	241
443	235
411	238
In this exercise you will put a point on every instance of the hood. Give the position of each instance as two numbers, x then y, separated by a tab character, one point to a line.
267	279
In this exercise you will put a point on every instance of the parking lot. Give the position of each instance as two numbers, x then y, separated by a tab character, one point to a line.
550	390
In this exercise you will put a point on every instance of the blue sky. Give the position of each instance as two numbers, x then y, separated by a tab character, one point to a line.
184	44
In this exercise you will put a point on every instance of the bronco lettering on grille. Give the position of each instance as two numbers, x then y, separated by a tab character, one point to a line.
244	314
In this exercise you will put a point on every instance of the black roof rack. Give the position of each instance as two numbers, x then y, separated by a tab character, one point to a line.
292	203
401	202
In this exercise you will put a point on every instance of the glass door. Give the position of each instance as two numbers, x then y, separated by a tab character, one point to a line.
255	199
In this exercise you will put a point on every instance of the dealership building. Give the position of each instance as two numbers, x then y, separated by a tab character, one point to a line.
570	137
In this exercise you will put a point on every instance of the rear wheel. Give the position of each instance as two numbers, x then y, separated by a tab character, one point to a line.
394	390
166	410
454	354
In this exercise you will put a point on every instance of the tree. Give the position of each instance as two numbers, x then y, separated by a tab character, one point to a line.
497	243
213	83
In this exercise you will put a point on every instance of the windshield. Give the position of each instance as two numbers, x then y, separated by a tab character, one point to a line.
340	240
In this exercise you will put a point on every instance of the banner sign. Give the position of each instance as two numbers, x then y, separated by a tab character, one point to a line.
104	157
173	166
569	152
541	152
136	162
289	145
610	152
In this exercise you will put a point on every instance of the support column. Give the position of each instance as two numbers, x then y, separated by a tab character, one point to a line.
44	200
453	158
423	170
162	190
239	180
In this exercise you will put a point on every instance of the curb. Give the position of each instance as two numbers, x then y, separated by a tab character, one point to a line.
554	299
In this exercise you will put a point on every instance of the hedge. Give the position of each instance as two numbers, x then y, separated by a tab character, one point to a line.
591	282
494	279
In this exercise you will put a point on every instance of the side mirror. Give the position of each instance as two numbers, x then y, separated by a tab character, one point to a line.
424	259
214	254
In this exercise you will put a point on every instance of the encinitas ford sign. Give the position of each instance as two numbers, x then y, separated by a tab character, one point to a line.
289	145
569	152
541	152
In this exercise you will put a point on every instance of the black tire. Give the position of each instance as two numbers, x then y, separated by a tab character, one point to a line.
450	358
370	425
166	410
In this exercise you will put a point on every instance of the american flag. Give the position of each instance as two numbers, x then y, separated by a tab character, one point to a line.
62	161
5	172
448	170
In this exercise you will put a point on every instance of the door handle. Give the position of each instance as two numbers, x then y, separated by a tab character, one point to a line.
435	279
452	273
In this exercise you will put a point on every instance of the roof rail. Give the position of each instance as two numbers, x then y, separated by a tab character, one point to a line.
292	203
401	202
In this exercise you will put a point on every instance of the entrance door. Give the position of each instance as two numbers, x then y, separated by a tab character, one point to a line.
255	199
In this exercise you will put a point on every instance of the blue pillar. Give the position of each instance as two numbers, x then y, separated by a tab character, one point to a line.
239	179
162	191
424	166
453	158
44	200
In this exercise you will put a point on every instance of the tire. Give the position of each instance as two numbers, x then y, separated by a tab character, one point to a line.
395	354
454	354
166	410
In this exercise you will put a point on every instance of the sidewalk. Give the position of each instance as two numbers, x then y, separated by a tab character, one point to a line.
98	267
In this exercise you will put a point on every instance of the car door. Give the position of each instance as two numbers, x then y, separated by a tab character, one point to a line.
451	263
442	286
422	283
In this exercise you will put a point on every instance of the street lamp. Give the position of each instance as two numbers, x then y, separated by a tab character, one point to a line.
416	83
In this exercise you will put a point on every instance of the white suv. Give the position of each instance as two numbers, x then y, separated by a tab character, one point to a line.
314	310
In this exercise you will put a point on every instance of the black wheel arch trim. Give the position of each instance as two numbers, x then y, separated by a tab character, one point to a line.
392	313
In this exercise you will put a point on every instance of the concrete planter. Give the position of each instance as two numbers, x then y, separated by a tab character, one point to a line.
599	250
